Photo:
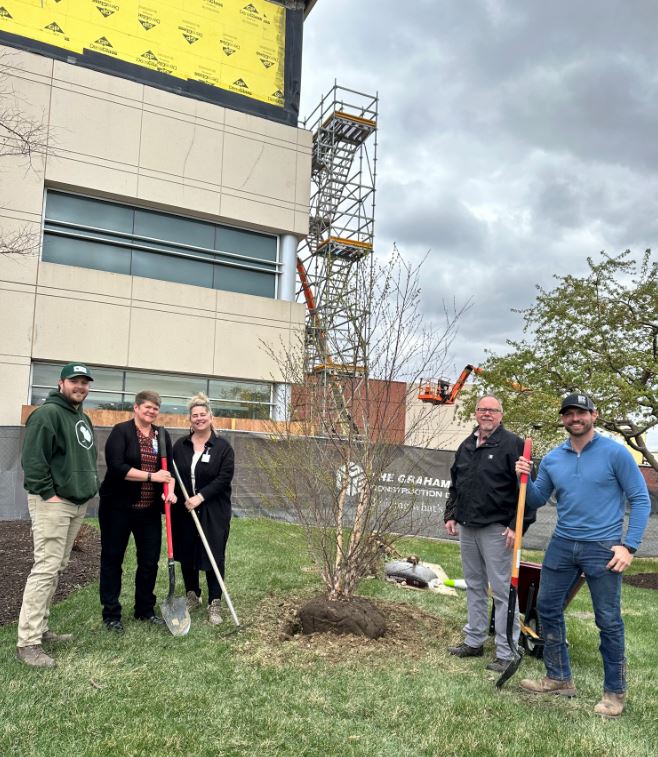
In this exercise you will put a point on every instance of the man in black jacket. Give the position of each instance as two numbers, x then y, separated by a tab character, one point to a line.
482	500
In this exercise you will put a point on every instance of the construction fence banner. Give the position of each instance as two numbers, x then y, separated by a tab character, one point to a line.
415	482
233	52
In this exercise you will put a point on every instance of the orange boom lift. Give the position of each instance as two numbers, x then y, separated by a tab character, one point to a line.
439	392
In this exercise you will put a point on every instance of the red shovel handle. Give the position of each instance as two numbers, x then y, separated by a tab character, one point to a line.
527	453
163	465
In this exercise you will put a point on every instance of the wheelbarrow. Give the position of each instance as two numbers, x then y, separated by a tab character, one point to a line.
530	636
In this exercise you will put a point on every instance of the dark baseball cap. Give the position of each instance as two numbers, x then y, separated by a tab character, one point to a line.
577	400
71	370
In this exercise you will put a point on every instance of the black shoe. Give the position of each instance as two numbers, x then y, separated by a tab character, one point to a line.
463	650
114	625
498	665
153	619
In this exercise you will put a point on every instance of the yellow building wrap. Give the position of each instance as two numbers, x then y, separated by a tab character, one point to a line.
235	45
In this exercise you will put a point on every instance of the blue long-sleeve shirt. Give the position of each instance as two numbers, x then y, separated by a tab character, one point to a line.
591	489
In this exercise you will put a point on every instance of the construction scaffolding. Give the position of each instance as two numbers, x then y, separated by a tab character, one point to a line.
334	261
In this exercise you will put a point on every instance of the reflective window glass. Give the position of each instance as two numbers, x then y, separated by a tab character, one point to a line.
86	254
107	401
239	390
182	387
39	394
246	243
169	268
115	389
246	282
174	229
88	212
94	244
107	378
232	410
46	374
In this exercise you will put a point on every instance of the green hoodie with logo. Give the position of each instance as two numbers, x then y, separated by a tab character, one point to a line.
59	453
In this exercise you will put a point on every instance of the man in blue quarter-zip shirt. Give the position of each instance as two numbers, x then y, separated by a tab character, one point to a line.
592	477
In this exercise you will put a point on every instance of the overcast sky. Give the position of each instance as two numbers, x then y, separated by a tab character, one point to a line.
516	137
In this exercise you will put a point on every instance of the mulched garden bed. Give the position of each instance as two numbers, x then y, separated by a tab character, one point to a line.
16	563
643	580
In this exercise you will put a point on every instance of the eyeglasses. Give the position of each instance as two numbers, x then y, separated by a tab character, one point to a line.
491	410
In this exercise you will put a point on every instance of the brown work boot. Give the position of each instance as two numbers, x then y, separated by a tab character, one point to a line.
548	685
34	656
611	706
57	637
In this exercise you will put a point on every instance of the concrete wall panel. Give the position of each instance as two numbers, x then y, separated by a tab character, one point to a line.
16	314
172	342
97	332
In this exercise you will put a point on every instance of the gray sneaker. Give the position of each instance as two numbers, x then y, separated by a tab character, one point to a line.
214	617
192	601
34	656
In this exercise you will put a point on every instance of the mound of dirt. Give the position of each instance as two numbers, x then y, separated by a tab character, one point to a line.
16	552
357	616
276	637
643	580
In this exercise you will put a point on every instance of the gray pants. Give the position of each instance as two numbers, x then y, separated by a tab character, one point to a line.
486	561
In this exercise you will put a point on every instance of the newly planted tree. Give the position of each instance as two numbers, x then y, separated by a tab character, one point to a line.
348	422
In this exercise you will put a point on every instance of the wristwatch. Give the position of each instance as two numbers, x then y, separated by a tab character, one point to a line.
632	550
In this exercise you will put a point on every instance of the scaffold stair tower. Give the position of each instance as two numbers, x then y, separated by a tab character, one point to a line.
334	260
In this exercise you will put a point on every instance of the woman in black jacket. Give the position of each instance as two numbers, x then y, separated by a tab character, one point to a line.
205	462
130	503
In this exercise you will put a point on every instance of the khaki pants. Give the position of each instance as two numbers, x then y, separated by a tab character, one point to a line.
54	528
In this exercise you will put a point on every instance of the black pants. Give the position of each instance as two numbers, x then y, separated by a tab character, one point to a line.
116	527
191	572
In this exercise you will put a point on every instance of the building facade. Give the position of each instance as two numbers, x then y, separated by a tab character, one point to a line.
163	232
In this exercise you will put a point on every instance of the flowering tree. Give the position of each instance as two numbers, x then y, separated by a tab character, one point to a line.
597	334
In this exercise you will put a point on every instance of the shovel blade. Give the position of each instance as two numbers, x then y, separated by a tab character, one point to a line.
509	671
175	615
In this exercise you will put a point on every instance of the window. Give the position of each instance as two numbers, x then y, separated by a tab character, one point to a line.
115	389
106	236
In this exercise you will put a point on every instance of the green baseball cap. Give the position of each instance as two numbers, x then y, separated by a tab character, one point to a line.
71	370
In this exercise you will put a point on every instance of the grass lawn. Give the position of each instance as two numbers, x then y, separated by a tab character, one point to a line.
218	693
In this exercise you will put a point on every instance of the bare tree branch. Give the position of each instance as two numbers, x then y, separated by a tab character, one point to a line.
328	471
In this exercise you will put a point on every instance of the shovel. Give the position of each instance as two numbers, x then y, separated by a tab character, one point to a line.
204	541
514	583
174	610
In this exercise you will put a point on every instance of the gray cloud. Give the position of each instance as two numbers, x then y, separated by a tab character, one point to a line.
515	139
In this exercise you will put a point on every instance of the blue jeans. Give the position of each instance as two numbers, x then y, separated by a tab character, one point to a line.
564	561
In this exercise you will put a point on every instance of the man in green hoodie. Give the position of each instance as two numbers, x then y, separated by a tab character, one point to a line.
59	465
